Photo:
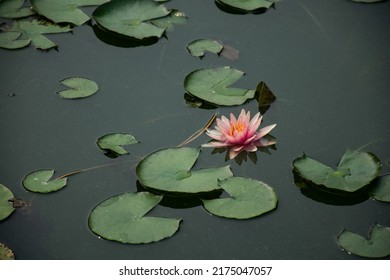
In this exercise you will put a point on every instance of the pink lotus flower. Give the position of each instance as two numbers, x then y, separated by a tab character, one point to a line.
239	134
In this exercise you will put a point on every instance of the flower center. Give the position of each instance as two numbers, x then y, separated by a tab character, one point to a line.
236	128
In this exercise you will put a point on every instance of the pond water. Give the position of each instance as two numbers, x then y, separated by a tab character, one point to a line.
326	61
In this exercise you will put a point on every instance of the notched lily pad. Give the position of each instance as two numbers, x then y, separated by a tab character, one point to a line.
39	181
11	40
168	22
80	88
355	170
122	218
6	253
248	198
198	47
380	189
376	246
14	9
248	5
6	207
170	171
213	85
114	142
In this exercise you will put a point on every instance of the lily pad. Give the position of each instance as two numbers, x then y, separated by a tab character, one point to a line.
376	246
212	85
39	181
265	97
81	88
122	218
14	9
6	253
24	31
169	170
249	5
249	198
114	141
367	1
6	208
199	47
65	10
131	17
167	23
355	170
381	189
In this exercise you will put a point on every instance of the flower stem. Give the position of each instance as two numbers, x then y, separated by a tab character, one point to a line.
199	132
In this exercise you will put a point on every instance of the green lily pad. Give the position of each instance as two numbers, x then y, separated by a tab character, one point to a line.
65	10
381	189
169	170
24	31
39	181
212	85
6	253
376	246
249	198
114	141
14	9
167	23
199	47
131	17
122	218
367	1
355	170
6	208
81	88
249	5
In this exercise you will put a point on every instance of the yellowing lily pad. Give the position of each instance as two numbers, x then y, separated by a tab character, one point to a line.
6	253
213	86
199	47
248	198
39	181
170	171
355	170
376	246
6	207
122	218
381	189
14	9
80	88
114	142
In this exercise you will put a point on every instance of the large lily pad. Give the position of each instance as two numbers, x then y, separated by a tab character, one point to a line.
169	170
65	10
355	170
122	218
114	142
212	85
25	31
80	88
199	47
6	207
39	181
249	5
376	246
131	17
14	9
381	189
249	198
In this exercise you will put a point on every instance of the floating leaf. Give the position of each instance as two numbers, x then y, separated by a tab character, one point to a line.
81	88
14	9
6	208
212	85
131	17
169	170
122	218
114	141
199	47
249	198
367	1
39	181
64	10
175	17
24	31
265	97
249	5
6	253
381	189
376	246
355	170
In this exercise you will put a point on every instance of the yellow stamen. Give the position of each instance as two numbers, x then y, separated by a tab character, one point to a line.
237	127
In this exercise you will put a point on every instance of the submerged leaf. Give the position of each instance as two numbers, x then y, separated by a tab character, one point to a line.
114	141
122	218
199	47
355	170
265	97
39	181
14	9
81	87
6	253
249	5
376	246
248	198
6	207
169	170
212	85
381	189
